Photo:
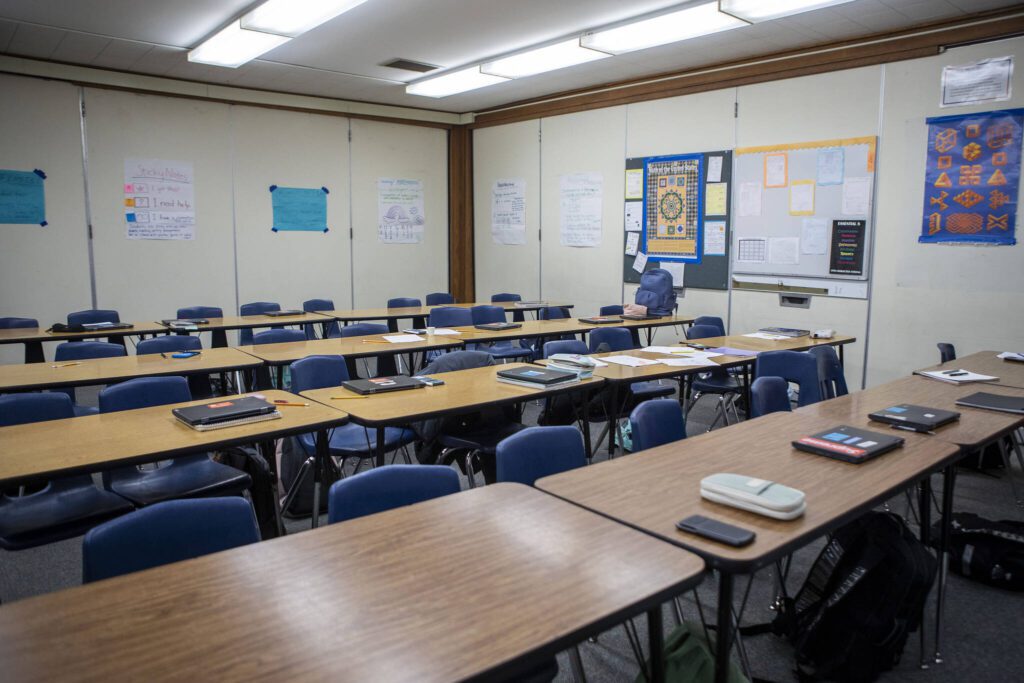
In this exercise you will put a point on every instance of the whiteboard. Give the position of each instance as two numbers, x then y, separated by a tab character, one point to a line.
804	189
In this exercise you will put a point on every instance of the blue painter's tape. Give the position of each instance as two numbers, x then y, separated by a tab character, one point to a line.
326	229
40	174
43	224
273	230
325	190
273	187
130	217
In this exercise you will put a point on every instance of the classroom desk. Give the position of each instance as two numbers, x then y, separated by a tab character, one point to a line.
37	376
92	443
1009	372
463	391
33	337
738	341
392	315
664	487
480	585
219	326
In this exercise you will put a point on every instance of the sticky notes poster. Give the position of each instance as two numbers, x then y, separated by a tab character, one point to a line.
971	178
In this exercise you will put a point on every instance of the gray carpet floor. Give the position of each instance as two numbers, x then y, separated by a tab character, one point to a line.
984	626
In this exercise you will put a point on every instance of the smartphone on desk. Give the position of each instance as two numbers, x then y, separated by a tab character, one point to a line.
716	531
184	354
429	381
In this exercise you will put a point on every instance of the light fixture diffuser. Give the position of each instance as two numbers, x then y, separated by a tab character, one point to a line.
453	83
549	58
765	10
233	46
295	17
662	29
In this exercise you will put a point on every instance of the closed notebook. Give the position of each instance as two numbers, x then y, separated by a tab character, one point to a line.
281	314
915	418
497	327
1000	402
849	444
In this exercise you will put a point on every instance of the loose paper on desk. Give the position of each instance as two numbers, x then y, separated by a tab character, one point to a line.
635	183
400	217
765	335
1012	355
801	198
716	199
776	170
640	262
856	196
685	362
784	251
445	331
403	338
580	209
681	351
159	199
714	169
830	166
714	238
750	199
508	211
631	361
676	270
814	236
634	216
632	243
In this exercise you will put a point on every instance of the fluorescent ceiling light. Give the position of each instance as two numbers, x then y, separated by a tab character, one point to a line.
763	10
454	82
295	17
664	28
557	56
234	46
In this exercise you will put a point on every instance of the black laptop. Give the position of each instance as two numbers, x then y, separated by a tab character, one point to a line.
282	314
914	418
219	412
497	327
637	316
536	376
785	331
602	320
848	444
380	385
1000	402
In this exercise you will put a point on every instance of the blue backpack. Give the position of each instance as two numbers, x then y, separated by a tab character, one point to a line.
656	292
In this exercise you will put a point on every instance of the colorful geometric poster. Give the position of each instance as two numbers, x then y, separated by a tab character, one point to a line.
673	208
299	208
971	178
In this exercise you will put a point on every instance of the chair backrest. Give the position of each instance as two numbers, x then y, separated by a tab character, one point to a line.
487	314
713	321
144	392
657	422
200	312
506	296
947	351
830	372
439	299
537	452
388	487
318	305
565	346
95	315
167	532
258	308
167	344
793	366
16	409
450	316
612	309
278	336
313	305
88	349
363	329
317	372
769	395
404	302
617	339
702	332
19	323
552	313
458	360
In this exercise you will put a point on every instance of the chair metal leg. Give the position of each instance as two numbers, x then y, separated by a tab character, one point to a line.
576	662
1003	451
300	477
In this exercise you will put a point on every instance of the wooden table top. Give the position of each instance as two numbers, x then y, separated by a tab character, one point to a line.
465	586
664	321
613	372
422	311
529	329
39	334
974	428
463	390
1010	373
654	489
241	322
350	347
107	370
738	341
96	442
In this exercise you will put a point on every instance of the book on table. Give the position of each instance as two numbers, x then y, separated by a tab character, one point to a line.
537	377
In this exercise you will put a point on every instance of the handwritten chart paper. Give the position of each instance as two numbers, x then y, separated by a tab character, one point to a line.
159	199
508	211
400	217
22	199
580	209
299	208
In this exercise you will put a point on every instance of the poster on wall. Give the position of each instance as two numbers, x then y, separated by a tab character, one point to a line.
988	80
22	198
400	217
847	248
508	211
159	199
580	206
299	208
972	173
673	207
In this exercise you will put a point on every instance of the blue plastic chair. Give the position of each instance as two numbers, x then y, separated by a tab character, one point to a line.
702	332
406	302
621	339
329	329
95	315
947	352
830	372
769	395
538	452
386	366
552	313
517	315
199	312
254	308
713	321
793	366
64	507
191	476
440	299
565	346
501	349
654	423
85	350
18	323
346	441
450	316
167	532
199	384
278	336
386	488
718	382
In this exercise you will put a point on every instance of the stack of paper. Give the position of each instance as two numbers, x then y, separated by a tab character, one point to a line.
956	376
765	335
403	338
1012	355
685	362
440	331
631	361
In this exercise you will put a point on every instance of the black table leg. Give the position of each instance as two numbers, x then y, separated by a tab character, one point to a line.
725	626
842	362
613	417
34	352
656	637
220	339
269	453
380	447
746	389
925	512
322	453
948	485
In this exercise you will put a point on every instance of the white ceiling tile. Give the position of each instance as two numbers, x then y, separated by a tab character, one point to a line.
159	60
7	29
120	54
35	41
80	48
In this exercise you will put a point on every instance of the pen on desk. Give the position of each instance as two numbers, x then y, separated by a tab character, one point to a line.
65	365
163	355
340	398
282	402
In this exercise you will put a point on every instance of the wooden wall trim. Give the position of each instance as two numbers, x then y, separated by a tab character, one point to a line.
921	41
461	252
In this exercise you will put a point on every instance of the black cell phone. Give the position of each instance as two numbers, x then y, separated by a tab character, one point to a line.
697	346
429	381
717	531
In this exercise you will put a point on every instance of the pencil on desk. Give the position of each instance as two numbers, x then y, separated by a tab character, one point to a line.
290	403
65	365
339	398
375	341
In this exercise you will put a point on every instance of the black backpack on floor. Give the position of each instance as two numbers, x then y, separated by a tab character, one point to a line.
862	598
986	551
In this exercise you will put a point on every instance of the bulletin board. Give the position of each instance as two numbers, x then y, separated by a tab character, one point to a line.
677	209
804	209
